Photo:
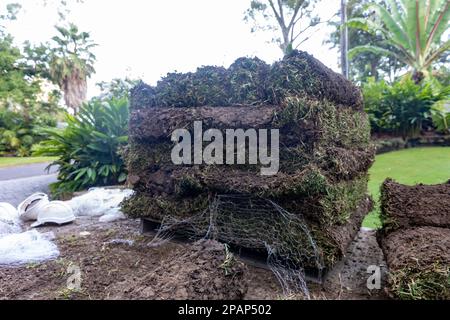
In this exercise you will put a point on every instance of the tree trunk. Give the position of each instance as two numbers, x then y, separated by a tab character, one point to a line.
344	39
374	69
75	91
418	76
286	46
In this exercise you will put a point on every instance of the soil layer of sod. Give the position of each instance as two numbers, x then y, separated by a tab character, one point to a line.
413	206
419	263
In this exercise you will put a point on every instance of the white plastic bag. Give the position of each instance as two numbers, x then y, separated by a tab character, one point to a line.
9	220
8	212
27	247
8	228
100	202
112	215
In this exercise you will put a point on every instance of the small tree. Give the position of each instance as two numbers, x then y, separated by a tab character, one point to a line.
71	63
17	89
116	88
292	17
366	64
414	28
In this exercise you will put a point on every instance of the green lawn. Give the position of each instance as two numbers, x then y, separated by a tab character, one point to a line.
410	167
11	162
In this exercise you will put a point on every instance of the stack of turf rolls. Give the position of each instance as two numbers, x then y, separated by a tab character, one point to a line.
416	239
325	149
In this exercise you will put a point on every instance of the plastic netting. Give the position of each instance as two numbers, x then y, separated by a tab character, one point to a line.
257	224
28	247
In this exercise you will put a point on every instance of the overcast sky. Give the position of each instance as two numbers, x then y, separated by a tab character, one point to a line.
148	38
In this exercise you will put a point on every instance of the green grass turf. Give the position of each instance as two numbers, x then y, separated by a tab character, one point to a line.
12	161
410	167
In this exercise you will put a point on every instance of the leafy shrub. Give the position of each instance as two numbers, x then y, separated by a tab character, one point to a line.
87	149
18	134
402	108
441	117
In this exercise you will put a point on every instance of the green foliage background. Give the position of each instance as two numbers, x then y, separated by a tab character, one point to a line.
87	149
405	108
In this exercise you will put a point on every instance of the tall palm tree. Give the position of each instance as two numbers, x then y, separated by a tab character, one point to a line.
71	63
413	27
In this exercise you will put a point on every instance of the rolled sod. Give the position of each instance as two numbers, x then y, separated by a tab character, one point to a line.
301	121
414	206
419	263
249	82
151	165
325	153
313	197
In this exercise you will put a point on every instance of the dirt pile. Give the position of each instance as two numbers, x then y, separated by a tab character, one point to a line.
325	149
207	271
416	239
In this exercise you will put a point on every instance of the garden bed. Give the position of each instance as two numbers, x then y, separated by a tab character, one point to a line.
389	144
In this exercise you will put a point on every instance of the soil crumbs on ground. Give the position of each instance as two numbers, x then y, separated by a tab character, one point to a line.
116	262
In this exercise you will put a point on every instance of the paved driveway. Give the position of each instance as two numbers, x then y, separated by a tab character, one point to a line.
26	171
17	183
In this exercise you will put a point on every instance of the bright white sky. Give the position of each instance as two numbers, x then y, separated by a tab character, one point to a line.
148	38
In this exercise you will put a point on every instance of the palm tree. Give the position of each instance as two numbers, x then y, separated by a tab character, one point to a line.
71	63
413	27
